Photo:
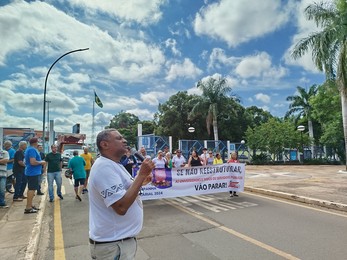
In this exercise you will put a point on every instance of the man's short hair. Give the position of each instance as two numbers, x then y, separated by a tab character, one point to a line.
75	153
33	140
8	143
104	135
21	143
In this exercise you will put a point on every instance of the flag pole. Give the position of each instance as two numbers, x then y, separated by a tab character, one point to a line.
93	124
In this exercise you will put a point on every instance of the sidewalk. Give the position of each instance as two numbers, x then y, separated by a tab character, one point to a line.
323	185
320	185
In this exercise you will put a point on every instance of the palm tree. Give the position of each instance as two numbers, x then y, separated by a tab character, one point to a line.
329	47
213	92
301	107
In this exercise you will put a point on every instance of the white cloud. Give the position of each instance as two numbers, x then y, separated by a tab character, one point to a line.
125	59
179	29
145	114
141	11
259	65
153	98
171	43
263	98
218	59
238	21
187	69
304	28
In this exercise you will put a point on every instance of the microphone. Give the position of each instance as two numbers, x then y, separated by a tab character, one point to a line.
137	155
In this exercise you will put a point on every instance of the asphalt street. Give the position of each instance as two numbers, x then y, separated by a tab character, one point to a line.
324	186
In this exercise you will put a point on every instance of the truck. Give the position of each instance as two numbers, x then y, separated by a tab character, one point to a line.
67	143
70	141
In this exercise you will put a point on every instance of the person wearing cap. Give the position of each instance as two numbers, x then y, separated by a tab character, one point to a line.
3	176
33	169
178	160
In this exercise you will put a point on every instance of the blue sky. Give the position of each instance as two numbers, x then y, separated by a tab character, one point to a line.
143	51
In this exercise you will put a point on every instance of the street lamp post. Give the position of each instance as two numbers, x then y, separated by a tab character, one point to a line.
48	102
191	130
44	95
301	128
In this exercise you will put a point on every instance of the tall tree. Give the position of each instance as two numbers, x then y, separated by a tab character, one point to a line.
300	106
327	112
126	124
172	118
329	47
258	115
213	91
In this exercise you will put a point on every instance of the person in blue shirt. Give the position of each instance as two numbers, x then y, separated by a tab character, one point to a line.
76	165
33	168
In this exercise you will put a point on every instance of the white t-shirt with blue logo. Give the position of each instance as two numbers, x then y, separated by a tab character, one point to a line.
108	182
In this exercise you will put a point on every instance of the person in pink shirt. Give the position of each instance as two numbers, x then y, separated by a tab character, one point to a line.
233	159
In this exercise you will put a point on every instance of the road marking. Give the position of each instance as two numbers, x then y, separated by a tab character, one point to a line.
233	232
59	250
296	204
211	203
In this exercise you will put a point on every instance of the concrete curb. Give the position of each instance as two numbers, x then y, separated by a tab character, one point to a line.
303	199
33	241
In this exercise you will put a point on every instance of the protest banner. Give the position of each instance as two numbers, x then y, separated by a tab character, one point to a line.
189	181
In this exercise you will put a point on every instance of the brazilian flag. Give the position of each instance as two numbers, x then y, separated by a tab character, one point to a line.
97	100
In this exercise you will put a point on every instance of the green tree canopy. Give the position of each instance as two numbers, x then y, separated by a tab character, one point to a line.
329	47
126	124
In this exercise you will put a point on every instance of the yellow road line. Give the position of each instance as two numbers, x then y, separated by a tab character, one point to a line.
235	233
59	251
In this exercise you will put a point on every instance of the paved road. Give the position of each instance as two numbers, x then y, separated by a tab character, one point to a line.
211	227
326	185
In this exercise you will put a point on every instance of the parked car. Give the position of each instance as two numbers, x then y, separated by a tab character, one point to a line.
68	154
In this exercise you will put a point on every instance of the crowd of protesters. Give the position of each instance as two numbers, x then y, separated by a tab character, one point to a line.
24	169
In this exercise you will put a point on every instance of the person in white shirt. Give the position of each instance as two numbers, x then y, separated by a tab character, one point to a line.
204	155
115	207
178	160
4	157
159	161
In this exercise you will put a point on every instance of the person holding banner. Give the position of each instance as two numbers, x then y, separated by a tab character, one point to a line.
204	155
210	158
115	207
218	159
168	160
178	160
195	160
159	161
233	159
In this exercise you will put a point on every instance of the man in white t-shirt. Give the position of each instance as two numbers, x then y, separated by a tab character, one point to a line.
178	160
115	207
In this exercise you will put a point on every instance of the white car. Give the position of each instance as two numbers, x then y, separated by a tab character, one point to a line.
68	154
